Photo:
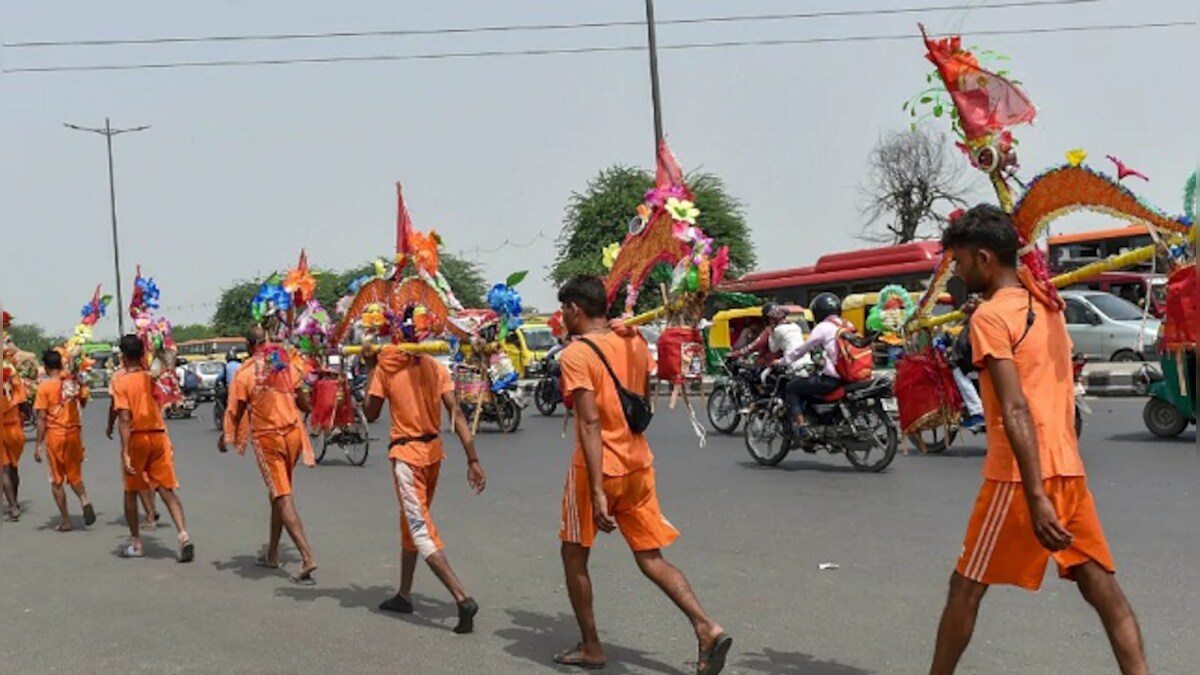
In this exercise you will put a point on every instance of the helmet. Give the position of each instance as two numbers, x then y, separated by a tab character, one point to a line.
773	311
825	305
231	355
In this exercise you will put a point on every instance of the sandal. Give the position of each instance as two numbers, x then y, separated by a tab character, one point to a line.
89	515
713	658
187	552
131	551
62	528
262	561
574	657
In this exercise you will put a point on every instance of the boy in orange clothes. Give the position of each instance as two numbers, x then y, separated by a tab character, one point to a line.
60	438
611	482
274	401
414	387
1034	503
12	439
145	447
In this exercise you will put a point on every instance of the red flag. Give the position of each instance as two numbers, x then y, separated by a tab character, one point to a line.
985	101
669	172
404	225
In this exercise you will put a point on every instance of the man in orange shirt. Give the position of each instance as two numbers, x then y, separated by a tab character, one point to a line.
60	437
145	447
1035	503
12	439
611	482
274	399
415	388
146	496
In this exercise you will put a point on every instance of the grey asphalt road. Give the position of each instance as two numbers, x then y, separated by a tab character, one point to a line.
753	540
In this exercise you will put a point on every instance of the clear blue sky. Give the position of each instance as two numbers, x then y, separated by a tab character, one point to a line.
244	166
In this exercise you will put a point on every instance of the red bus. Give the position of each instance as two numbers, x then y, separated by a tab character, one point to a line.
864	271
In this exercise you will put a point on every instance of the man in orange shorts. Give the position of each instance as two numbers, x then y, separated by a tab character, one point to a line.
610	484
60	438
12	438
145	447
415	388
1035	503
274	399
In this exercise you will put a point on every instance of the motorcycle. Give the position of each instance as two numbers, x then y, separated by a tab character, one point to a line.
938	439
851	421
547	393
220	403
733	393
181	409
502	407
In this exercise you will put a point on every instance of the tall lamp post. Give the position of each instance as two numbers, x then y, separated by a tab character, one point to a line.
654	92
108	132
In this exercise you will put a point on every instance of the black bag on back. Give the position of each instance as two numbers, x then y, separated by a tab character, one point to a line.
635	407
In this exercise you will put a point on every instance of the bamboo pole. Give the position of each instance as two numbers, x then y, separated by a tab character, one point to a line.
435	347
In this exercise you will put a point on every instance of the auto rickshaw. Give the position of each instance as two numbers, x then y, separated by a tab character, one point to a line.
1172	405
728	325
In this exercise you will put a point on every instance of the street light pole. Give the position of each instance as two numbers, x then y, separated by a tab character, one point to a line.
108	132
654	92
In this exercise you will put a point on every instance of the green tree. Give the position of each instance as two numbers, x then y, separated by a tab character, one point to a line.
32	338
195	331
600	216
233	314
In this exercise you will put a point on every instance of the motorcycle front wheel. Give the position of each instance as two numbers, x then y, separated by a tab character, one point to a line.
885	440
544	399
723	413
764	437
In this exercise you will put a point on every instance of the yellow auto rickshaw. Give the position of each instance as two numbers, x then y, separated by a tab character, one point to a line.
730	325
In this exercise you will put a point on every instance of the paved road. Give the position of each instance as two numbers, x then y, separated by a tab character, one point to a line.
753	539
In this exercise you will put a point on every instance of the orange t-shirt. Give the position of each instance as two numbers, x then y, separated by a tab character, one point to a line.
132	390
61	416
629	356
413	388
270	405
10	411
1043	363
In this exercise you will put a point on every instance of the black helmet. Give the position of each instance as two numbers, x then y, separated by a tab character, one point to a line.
773	311
825	305
231	355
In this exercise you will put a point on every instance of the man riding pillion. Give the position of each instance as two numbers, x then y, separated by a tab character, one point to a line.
826	309
776	339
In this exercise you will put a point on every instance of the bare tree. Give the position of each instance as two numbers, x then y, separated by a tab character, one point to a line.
913	184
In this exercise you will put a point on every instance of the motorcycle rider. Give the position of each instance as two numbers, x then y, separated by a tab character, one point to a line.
776	339
826	309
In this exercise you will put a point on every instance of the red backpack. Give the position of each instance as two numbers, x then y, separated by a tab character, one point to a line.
855	357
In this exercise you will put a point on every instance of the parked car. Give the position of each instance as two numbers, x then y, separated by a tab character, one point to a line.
208	372
1107	328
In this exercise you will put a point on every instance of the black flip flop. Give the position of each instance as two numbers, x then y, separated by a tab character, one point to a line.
89	515
714	656
574	657
187	552
303	578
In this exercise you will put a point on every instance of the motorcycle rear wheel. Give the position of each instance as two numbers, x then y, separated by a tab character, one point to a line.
764	437
508	414
887	441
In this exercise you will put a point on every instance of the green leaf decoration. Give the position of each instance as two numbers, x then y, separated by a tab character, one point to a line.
516	278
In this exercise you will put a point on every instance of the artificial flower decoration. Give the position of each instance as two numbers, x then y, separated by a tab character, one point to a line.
682	210
720	265
6	321
95	310
300	282
1124	171
610	254
1075	157
505	301
271	299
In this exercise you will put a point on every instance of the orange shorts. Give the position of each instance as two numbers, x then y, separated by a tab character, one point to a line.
12	444
64	457
277	454
633	503
1001	548
415	486
152	459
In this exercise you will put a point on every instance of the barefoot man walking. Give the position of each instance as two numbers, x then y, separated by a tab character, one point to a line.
611	481
274	399
1035	503
60	438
